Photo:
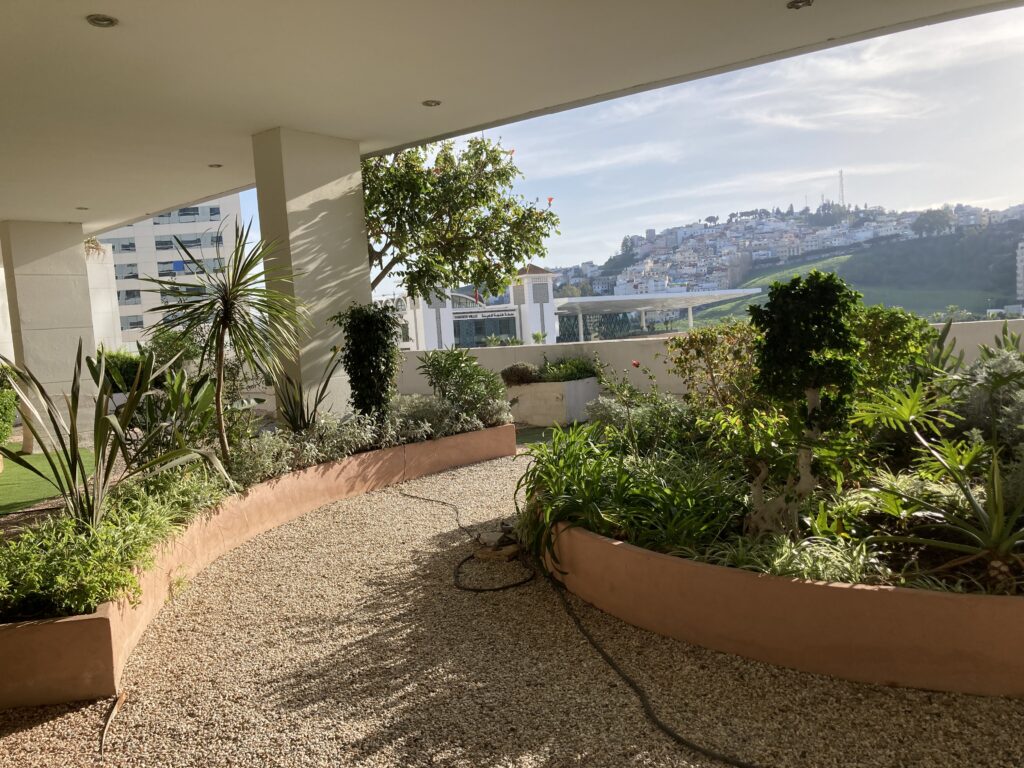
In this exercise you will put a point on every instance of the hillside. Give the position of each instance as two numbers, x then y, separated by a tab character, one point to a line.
974	270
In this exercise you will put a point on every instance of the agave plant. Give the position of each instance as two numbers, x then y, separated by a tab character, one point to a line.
987	527
61	443
241	313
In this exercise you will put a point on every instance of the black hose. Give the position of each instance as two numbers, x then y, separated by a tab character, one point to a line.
559	589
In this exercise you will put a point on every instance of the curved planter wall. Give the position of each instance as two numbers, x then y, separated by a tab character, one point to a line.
884	635
82	657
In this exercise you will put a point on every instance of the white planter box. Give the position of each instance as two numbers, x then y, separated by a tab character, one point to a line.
552	402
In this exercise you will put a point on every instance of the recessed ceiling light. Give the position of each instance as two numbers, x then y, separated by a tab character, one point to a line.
432	103
215	165
81	208
101	20
796	5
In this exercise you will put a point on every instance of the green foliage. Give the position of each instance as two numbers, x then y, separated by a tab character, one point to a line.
370	355
568	369
125	364
894	341
518	374
809	346
668	503
986	526
539	337
6	376
59	568
716	363
932	222
179	414
8	410
242	309
62	445
457	378
439	216
297	408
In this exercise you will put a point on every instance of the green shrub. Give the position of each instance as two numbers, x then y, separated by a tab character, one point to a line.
434	417
668	503
568	369
262	457
123	366
518	374
457	378
6	376
370	355
8	410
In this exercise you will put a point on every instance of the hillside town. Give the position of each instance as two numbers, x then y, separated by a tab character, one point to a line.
715	253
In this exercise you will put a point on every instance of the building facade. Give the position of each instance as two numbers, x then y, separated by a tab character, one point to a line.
148	249
461	319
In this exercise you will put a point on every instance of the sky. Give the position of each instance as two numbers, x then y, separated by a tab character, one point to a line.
915	120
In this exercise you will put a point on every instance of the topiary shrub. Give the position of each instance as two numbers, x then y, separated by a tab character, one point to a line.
807	362
568	369
370	355
123	367
519	374
8	408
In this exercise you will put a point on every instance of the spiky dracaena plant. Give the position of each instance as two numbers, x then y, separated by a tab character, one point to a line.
62	447
241	313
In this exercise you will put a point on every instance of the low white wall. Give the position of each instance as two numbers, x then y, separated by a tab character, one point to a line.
650	352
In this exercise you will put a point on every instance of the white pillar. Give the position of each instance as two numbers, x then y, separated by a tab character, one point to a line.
689	317
643	319
579	319
50	307
310	195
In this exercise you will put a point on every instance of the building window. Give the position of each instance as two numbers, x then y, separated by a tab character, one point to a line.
165	244
170	268
472	333
132	296
187	212
126	271
131	322
214	212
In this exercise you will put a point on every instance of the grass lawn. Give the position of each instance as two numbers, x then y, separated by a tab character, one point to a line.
19	488
528	435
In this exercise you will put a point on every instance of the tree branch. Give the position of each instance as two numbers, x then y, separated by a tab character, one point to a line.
384	271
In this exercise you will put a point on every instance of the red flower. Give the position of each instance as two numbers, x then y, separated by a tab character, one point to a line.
550	199
636	363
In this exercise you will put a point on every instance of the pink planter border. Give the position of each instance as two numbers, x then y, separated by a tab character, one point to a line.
883	635
82	657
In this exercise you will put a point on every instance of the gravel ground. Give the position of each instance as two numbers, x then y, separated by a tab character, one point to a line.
338	640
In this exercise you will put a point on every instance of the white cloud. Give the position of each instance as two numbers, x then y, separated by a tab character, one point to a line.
564	162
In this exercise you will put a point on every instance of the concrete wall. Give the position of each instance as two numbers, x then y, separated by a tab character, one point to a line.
650	352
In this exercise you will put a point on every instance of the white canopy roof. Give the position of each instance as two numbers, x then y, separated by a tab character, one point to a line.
603	305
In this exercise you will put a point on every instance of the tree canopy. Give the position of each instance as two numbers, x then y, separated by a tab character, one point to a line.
439	216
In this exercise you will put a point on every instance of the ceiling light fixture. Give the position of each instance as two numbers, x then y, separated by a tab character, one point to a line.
796	5
81	208
432	103
101	20
215	165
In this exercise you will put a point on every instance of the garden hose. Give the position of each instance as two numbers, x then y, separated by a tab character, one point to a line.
559	589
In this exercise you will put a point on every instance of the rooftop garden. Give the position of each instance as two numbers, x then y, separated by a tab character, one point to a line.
173	433
824	440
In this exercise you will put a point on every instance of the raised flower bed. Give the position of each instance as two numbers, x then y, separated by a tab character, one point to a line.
964	643
82	657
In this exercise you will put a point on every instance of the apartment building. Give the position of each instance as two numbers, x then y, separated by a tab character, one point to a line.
148	248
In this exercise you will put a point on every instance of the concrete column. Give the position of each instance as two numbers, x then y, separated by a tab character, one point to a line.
50	306
310	195
689	317
579	319
643	319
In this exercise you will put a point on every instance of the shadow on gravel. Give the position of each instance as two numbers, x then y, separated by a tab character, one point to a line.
14	721
438	676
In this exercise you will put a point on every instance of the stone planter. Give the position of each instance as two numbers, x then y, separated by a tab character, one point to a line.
885	635
552	402
82	657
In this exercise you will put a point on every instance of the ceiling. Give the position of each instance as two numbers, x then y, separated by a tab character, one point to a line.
126	121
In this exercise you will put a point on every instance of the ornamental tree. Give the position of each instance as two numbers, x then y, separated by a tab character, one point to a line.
807	363
438	217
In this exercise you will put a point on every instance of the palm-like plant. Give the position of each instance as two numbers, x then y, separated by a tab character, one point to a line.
988	528
61	444
298	410
238	311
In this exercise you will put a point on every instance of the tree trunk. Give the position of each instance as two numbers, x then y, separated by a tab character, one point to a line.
222	432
